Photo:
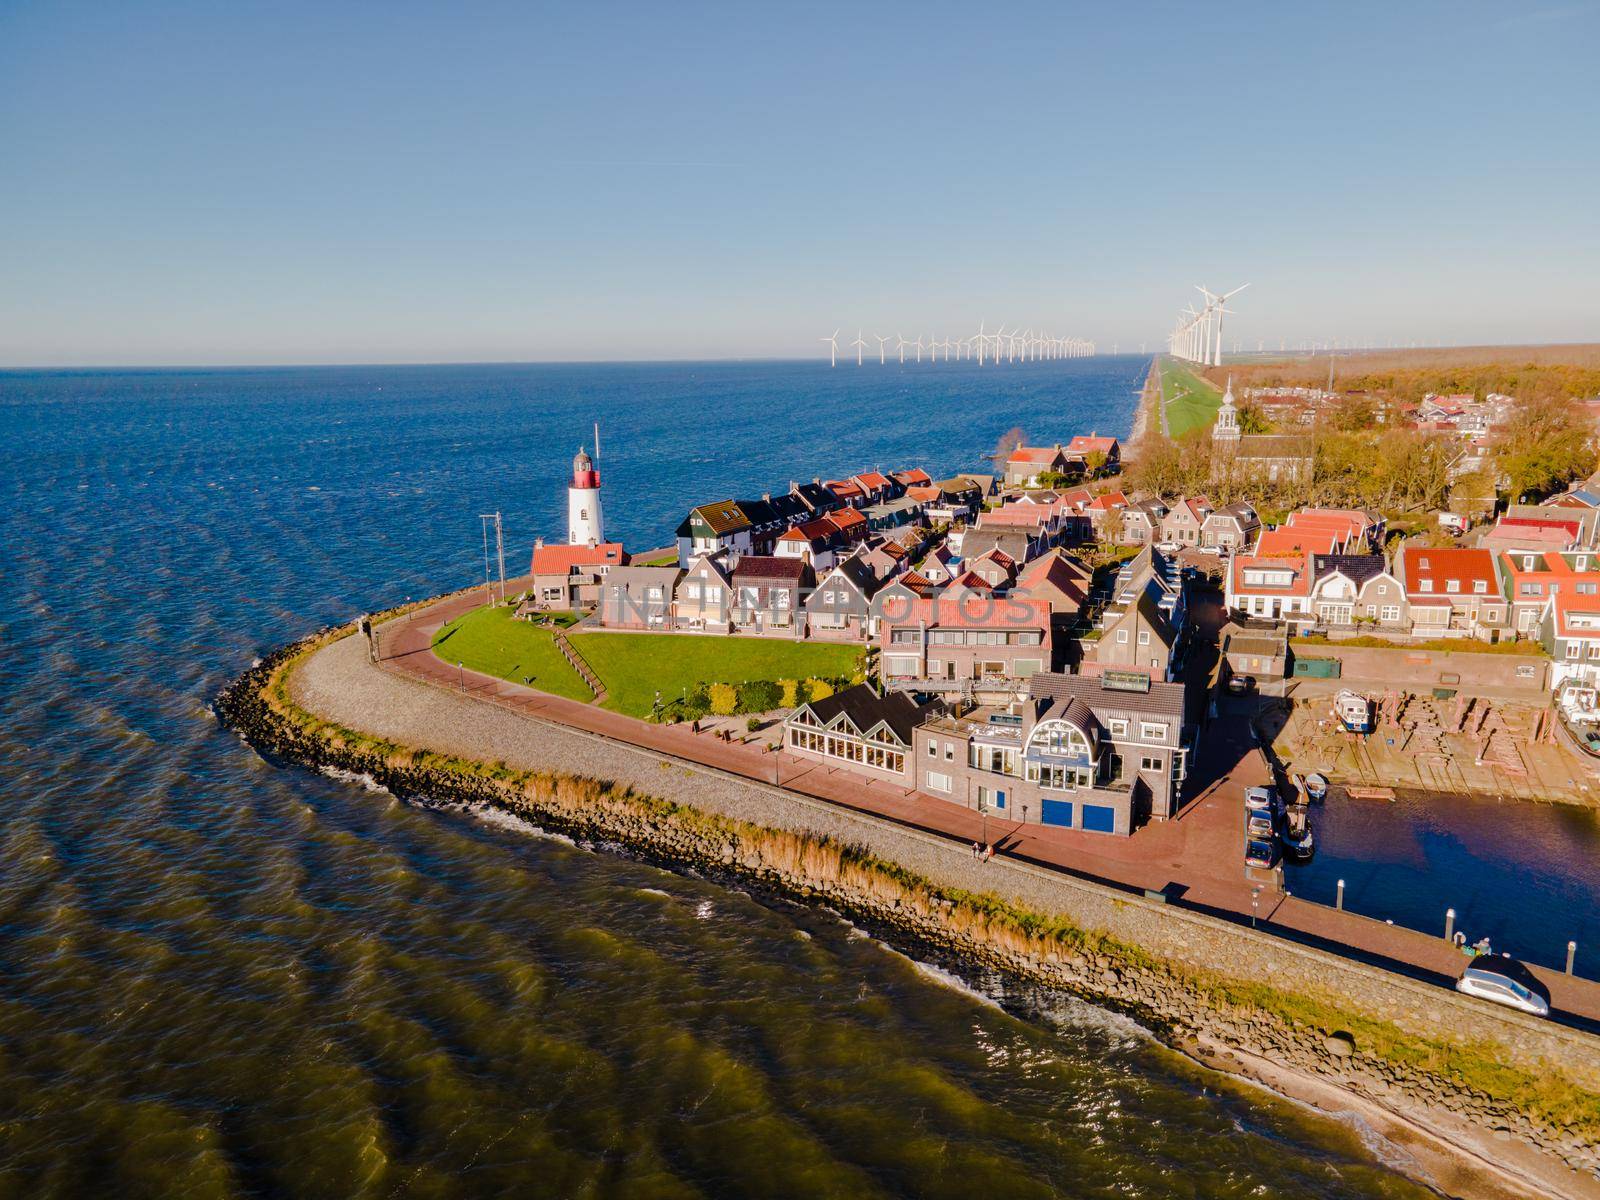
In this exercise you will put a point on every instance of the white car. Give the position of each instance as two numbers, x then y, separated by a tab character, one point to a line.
1259	799
1168	547
1502	979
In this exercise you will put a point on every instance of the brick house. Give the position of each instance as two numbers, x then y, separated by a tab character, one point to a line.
567	578
1098	754
638	597
767	594
1453	592
1186	521
1232	528
840	608
963	638
704	599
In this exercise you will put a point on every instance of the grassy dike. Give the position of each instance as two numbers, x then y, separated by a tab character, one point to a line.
1459	1090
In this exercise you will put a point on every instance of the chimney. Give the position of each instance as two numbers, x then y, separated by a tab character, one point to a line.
538	543
767	496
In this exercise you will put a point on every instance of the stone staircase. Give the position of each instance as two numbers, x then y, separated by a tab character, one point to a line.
580	665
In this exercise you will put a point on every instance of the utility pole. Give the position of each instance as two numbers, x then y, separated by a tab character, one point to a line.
500	553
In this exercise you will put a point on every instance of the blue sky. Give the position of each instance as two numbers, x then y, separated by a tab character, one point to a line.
233	183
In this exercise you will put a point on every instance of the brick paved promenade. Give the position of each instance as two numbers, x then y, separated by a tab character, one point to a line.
1195	859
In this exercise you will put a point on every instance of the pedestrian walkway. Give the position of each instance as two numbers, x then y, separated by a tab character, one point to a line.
1195	859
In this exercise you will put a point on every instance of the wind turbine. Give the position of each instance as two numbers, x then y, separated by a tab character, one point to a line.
858	344
881	341
902	348
1215	304
919	347
833	348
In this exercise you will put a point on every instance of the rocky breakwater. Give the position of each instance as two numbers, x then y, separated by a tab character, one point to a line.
1477	1118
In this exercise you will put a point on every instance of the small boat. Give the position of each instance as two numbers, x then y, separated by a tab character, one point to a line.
1295	835
1316	787
1354	711
1369	793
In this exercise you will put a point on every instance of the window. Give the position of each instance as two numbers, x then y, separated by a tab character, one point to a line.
1424	585
1480	586
1119	727
1452	585
1148	763
692	590
1151	731
1122	636
933	749
949	752
1391	613
938	781
1594	649
1572	649
1144	637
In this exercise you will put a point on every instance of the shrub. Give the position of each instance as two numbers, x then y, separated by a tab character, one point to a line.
759	695
724	699
820	689
789	693
753	724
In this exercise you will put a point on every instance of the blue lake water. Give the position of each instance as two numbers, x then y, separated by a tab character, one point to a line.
225	979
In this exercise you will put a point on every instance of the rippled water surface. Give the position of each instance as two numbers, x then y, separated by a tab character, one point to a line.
225	979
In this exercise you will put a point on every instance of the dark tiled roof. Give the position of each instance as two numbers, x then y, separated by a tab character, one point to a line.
1163	699
789	507
757	566
816	497
1357	567
759	512
866	708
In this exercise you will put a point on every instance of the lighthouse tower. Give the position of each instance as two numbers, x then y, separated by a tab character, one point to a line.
584	526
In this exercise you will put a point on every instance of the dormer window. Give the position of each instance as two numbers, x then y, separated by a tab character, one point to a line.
1480	586
1452	585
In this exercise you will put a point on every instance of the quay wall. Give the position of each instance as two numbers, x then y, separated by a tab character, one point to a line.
1512	675
1207	986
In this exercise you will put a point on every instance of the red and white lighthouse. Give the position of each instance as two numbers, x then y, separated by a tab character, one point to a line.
584	524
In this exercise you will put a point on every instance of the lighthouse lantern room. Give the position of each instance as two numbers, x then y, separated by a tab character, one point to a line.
584	524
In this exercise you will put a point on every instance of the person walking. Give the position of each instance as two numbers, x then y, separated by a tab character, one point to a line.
975	851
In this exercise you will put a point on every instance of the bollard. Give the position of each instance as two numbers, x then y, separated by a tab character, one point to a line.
1572	952
1449	924
1339	899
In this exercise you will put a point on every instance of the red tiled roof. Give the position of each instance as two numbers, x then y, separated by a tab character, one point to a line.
1087	443
1034	454
872	480
1299	585
560	560
845	519
843	488
976	610
925	494
1018	514
1109	500
1284	542
759	566
1467	566
914	477
820	530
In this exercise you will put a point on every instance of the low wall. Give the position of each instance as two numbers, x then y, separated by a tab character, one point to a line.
1423	670
339	684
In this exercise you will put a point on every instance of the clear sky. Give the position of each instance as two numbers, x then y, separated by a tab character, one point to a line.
389	182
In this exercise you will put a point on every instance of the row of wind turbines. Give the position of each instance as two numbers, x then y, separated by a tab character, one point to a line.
1016	346
1197	337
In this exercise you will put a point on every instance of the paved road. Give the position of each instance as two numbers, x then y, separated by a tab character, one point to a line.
1195	859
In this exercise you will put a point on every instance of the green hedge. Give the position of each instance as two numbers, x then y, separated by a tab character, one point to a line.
754	696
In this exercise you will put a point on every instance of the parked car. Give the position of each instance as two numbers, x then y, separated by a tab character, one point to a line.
1258	853
1213	550
1259	824
1240	684
1504	980
1168	547
1260	799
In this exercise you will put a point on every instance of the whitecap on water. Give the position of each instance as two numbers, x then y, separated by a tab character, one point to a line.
1061	1011
704	911
654	892
367	782
952	981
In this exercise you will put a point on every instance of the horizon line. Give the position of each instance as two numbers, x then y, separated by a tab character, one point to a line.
753	358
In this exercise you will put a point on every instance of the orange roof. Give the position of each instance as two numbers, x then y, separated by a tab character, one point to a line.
1464	566
872	480
1284	542
975	610
1034	454
845	519
914	477
1089	443
1108	501
560	560
1299	584
923	493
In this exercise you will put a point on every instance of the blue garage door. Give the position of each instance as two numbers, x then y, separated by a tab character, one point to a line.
1099	818
1056	812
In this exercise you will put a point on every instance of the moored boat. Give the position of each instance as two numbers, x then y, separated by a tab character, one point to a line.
1354	711
1316	787
1295	833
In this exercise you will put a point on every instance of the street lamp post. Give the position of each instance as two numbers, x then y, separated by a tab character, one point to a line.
1255	904
461	675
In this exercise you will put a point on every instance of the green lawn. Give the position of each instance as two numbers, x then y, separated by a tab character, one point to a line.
1192	402
633	666
489	640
